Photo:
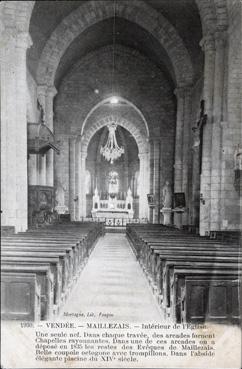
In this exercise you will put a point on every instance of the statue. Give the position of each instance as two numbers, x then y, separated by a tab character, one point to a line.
167	195
238	158
113	185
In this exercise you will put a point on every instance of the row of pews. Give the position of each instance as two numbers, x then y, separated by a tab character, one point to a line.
195	279
39	268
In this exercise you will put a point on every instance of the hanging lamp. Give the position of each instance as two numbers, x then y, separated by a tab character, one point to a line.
111	151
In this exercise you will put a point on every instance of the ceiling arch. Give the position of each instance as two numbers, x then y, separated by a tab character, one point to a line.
94	11
96	125
122	100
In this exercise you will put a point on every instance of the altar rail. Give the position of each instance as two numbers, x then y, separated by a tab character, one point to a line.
115	222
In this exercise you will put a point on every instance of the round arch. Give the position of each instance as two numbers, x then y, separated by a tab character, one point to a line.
142	142
122	100
96	11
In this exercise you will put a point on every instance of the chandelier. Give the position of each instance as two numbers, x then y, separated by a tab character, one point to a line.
111	151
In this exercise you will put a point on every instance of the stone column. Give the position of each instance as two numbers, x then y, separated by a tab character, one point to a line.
50	94
186	151
151	191
8	127
181	147
180	95
208	46
23	43
77	178
42	170
32	170
196	178
14	128
72	190
143	185
41	93
156	179
81	189
216	151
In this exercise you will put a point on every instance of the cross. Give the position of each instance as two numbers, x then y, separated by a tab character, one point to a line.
199	127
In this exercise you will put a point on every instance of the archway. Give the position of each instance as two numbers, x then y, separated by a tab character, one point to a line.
102	170
82	144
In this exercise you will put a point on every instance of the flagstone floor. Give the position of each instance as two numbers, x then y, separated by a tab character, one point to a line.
112	283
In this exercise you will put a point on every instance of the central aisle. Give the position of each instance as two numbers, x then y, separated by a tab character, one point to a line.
113	283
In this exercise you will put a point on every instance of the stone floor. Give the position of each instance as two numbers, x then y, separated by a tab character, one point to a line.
112	283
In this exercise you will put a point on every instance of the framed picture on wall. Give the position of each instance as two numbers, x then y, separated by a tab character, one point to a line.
179	200
151	199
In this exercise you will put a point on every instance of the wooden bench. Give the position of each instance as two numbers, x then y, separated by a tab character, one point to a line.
46	279
56	268
20	296
165	252
210	299
54	256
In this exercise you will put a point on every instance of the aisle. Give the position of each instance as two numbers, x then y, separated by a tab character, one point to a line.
112	282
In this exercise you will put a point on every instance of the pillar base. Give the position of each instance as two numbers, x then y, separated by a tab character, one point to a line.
178	217
167	212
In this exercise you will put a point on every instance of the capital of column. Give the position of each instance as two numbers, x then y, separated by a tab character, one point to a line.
207	43
83	156
155	139
178	164
51	91
41	91
142	155
182	91
24	40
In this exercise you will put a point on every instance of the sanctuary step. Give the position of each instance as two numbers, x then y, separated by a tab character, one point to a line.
115	229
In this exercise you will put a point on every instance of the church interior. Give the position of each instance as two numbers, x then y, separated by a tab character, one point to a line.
121	136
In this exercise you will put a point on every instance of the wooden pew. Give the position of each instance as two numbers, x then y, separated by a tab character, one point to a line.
46	278
162	251
173	285
32	254
57	250
46	247
20	296
209	299
56	268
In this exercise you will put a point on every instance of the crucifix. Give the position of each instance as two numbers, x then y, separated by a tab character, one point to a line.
198	131
41	110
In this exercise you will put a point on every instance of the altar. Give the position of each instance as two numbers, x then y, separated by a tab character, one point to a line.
112	207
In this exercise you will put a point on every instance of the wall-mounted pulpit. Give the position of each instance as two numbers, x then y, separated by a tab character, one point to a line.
40	139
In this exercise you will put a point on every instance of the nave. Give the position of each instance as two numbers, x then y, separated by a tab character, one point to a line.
112	283
73	268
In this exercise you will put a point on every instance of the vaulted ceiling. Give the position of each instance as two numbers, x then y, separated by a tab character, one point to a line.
182	14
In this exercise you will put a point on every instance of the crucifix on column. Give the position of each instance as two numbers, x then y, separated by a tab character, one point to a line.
198	131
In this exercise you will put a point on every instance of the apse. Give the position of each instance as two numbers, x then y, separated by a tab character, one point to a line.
115	177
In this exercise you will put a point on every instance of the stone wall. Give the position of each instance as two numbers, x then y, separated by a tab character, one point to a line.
135	79
232	125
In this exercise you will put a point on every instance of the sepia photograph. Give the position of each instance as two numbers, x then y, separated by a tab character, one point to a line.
121	184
